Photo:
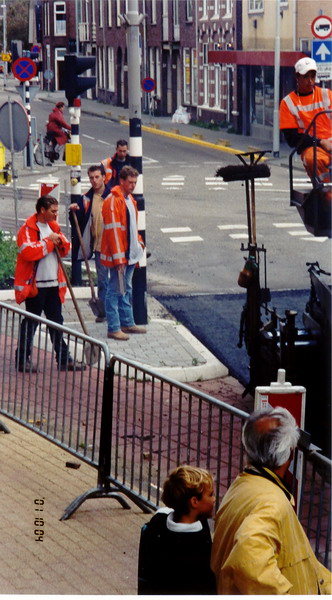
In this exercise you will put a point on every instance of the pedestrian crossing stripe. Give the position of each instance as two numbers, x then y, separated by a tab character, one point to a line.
189	238
175	229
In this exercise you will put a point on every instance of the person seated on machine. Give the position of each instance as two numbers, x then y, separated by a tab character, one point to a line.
297	110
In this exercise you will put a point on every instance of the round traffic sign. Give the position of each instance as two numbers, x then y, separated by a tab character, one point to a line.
48	75
148	84
24	68
321	27
14	126
35	48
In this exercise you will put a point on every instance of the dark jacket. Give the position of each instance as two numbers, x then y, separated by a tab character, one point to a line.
172	562
84	221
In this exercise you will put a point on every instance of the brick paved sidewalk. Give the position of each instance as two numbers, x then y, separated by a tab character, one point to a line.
94	552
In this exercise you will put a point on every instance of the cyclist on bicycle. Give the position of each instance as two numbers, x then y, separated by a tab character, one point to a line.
57	125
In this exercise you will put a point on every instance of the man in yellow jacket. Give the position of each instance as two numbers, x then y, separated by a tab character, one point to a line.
259	545
121	250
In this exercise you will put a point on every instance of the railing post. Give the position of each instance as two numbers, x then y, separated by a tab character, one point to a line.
105	445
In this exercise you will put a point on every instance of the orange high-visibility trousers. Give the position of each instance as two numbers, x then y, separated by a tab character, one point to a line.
323	162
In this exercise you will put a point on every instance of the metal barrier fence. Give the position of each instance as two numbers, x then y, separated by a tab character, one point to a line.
133	425
63	406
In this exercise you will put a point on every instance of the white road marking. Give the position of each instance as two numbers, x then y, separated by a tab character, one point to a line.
88	136
239	236
189	238
315	239
297	232
102	142
171	183
236	226
287	225
175	229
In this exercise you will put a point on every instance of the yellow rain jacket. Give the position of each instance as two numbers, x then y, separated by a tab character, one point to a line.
259	545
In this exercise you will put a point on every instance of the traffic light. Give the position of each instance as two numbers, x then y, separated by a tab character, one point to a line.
75	85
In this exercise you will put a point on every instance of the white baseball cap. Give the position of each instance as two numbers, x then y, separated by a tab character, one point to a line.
304	65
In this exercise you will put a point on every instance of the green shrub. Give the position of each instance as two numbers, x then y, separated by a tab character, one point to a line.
8	253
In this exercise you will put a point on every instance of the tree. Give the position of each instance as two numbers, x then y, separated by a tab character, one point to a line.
17	22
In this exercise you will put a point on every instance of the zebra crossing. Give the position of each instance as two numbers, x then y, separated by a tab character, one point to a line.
239	231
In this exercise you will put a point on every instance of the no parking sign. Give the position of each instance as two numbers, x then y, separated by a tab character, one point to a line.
24	68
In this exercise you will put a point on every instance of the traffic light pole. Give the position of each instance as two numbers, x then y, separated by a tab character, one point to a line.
75	181
74	87
133	20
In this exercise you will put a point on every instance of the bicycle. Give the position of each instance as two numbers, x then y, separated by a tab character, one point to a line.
46	148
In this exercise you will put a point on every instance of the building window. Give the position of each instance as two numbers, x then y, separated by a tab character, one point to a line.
216	8
101	78
46	19
109	13
228	8
101	13
194	92
153	12
189	10
256	6
263	81
206	85
110	65
205	54
59	18
204	9
186	76
152	63
158	71
217	86
176	13
304	45
118	13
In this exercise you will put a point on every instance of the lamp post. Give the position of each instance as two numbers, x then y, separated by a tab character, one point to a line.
4	42
276	133
133	20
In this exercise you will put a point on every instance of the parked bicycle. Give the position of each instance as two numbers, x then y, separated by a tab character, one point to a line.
47	147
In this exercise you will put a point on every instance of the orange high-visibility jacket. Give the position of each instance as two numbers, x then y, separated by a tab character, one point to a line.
31	249
296	112
107	164
114	243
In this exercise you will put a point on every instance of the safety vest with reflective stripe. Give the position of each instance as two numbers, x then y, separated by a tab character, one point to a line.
115	243
32	249
107	164
297	112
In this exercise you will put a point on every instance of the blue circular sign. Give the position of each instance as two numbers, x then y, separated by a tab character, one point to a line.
148	84
24	68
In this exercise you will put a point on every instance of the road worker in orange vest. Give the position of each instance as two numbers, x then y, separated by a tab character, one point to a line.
296	113
113	164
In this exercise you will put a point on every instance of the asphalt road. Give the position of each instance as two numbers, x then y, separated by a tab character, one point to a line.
195	222
215	321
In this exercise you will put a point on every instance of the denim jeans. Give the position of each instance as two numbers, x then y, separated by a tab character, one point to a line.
119	310
102	277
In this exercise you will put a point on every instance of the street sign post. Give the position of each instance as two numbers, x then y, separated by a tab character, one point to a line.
48	75
24	68
322	53
321	27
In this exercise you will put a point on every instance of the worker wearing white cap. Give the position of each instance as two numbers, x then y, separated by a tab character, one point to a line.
296	113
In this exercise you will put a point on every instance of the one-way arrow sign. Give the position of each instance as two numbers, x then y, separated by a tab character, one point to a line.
322	51
322	54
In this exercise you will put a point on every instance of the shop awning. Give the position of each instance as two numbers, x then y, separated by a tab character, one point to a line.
263	58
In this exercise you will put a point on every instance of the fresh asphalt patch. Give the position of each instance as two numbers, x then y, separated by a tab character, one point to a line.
215	321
